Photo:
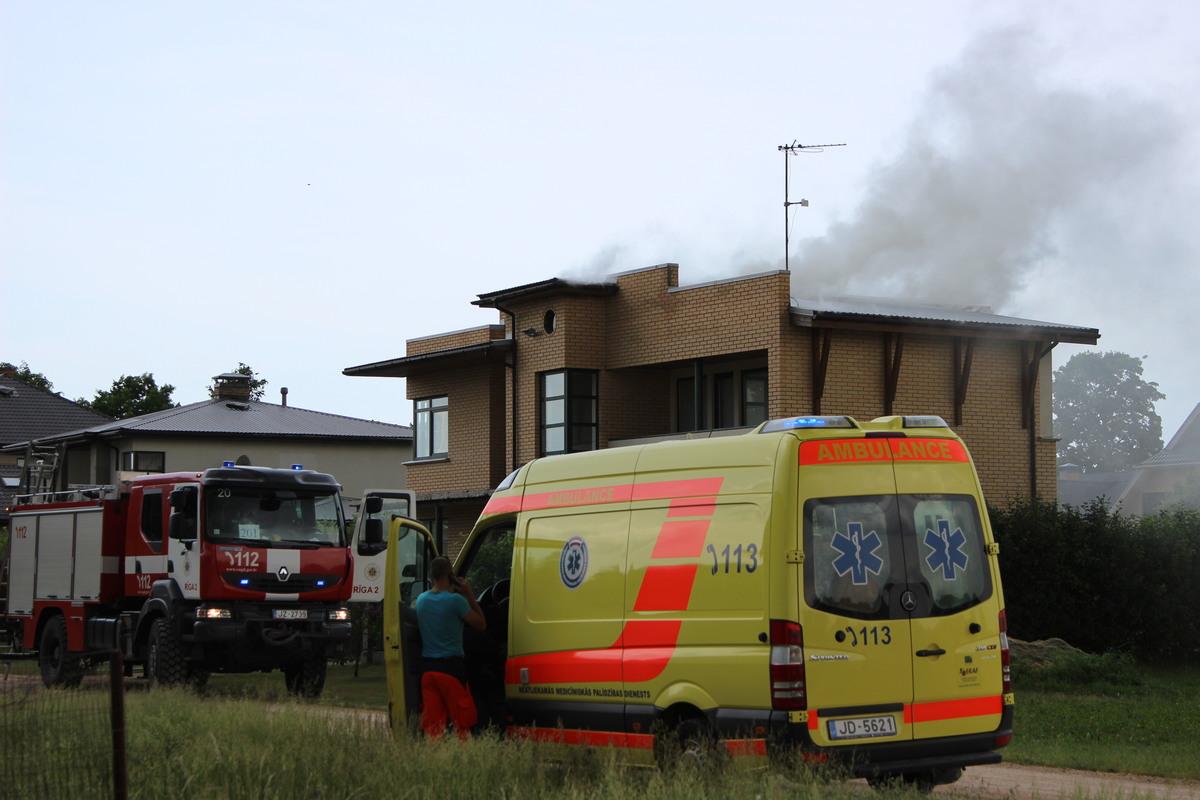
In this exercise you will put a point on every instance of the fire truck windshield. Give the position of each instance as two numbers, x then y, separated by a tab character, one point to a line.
273	517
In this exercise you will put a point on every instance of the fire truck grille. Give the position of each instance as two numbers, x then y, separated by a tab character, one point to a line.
296	582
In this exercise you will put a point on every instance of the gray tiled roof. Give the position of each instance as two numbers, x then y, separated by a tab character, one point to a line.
30	413
886	308
249	418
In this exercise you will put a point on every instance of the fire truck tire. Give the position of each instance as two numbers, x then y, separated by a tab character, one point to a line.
59	666
164	656
307	678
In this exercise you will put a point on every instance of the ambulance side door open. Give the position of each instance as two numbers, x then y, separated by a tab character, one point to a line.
857	640
409	549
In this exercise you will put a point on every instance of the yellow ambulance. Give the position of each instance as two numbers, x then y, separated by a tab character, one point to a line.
820	589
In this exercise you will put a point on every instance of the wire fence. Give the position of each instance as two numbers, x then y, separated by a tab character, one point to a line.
60	743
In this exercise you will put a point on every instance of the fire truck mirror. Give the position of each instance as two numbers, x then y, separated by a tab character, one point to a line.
373	533
373	504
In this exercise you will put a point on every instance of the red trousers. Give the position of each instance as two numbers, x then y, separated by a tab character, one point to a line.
442	697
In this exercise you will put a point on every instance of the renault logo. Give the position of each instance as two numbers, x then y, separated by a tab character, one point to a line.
283	574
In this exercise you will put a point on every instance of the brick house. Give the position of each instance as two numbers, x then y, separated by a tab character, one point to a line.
578	366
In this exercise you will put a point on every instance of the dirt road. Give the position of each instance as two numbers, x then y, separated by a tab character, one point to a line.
1018	782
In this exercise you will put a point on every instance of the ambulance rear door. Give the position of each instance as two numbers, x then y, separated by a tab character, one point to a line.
953	593
857	642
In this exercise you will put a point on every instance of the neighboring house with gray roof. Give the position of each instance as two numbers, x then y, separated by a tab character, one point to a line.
27	412
359	453
1162	480
1165	479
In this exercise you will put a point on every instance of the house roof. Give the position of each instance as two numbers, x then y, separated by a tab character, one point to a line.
884	313
1184	447
551	286
27	412
407	366
238	418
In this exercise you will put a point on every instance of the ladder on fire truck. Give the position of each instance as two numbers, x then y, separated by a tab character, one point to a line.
40	469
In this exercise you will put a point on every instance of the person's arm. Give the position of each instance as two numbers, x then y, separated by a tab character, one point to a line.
474	617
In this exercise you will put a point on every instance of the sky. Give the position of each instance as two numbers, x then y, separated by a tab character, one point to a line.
303	186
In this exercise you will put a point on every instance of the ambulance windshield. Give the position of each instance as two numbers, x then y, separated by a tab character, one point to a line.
267	517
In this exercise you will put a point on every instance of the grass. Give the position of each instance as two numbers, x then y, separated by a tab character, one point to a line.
246	738
1105	713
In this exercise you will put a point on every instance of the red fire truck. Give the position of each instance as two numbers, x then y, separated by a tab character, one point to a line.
233	569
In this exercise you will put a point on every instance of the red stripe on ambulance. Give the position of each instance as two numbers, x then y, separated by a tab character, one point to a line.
644	647
851	451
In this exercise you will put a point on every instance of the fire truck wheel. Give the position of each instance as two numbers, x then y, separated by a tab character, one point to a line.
60	667
164	656
306	678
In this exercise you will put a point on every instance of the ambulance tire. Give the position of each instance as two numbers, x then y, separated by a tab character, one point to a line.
690	746
164	656
307	678
59	666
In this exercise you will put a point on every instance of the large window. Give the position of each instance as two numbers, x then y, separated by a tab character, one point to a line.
431	438
754	397
570	411
143	461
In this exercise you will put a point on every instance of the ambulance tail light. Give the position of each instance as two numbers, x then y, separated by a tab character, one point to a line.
788	691
1005	658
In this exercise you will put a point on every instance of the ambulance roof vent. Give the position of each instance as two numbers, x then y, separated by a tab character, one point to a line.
795	423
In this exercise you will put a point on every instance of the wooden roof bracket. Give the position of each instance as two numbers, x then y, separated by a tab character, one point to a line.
893	353
1032	354
964	354
822	342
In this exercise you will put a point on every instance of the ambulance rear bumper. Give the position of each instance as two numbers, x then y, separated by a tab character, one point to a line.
884	759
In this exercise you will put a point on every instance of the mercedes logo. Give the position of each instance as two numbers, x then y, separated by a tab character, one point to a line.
908	600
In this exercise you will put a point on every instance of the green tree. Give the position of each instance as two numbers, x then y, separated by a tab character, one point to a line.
1104	412
132	396
256	384
24	374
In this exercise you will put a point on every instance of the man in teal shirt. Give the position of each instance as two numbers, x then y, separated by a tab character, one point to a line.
441	612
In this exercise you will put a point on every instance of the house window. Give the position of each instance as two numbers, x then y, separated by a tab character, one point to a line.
724	401
685	405
754	398
143	461
570	411
431	438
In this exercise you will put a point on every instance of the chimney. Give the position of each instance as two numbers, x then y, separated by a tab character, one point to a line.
283	394
232	386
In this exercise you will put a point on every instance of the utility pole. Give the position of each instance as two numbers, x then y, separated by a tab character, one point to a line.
790	150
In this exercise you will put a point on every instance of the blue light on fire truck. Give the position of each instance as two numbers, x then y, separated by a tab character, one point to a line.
226	463
297	466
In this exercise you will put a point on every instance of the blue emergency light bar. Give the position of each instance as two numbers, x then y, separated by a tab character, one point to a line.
297	466
795	423
925	421
227	464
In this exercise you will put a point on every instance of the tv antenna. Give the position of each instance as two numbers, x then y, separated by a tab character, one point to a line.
791	150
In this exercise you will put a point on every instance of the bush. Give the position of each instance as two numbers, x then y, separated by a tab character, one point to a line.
1101	581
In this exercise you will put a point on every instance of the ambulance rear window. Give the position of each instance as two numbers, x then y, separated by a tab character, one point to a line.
894	556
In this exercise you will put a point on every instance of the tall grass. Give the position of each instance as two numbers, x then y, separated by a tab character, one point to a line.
234	749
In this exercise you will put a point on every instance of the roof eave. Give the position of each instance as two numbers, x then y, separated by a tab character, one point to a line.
897	324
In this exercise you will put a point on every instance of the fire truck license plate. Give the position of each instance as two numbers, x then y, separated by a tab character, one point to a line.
291	613
862	727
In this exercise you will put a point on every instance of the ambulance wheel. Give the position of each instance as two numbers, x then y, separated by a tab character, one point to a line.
59	666
306	678
690	746
164	656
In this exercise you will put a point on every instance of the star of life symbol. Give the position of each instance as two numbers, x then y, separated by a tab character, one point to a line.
857	553
945	549
573	562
